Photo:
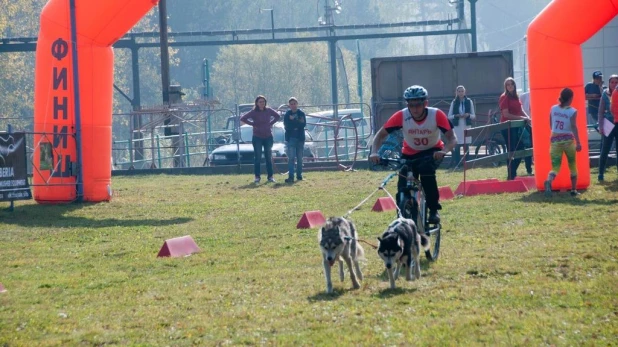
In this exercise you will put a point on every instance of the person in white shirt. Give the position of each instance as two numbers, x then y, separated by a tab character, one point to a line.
461	114
564	139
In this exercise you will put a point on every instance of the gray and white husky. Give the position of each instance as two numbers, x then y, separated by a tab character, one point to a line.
400	246
338	242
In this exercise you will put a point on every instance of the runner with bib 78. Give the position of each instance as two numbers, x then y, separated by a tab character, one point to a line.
421	127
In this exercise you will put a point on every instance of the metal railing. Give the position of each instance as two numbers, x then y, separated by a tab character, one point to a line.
184	135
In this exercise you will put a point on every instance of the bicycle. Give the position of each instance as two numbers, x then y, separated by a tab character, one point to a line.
415	206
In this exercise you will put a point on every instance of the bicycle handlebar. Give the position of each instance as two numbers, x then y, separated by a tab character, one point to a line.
402	163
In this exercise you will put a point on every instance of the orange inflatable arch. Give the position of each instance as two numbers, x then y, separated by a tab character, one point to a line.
555	62
98	25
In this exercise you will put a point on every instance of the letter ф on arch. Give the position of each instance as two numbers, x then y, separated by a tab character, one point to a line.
554	40
98	25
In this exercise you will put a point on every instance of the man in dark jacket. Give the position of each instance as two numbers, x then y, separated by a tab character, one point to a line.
294	122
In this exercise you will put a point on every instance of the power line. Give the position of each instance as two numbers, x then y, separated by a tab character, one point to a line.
527	21
512	43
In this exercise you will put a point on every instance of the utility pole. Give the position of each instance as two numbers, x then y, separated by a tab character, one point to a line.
473	23
272	18
332	52
165	59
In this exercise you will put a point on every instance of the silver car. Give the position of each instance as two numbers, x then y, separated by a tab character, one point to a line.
229	153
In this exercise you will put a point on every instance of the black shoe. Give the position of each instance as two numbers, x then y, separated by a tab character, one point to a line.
289	180
299	178
434	217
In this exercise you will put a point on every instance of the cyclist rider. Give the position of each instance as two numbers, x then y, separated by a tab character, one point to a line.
421	127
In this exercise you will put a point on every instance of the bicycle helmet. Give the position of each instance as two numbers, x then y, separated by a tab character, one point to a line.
415	92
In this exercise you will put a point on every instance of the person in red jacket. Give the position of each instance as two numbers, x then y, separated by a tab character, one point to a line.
511	109
262	118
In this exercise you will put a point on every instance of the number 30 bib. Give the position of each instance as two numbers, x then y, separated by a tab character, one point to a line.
424	135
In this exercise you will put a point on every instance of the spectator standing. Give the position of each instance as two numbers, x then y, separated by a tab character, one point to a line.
612	136
593	92
262	118
461	114
605	117
563	125
527	132
511	109
294	122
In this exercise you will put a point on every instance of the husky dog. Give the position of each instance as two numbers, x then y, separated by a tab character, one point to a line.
399	246
338	243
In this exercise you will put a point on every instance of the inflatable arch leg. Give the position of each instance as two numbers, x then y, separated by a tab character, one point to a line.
555	61
99	25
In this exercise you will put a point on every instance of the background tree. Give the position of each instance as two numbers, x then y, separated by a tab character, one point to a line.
300	69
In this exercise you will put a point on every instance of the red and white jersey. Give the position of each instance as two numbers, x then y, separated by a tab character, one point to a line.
423	135
561	119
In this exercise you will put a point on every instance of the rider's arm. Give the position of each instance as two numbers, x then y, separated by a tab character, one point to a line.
451	141
377	140
446	127
393	123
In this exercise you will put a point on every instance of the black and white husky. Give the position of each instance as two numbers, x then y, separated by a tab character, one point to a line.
400	246
338	242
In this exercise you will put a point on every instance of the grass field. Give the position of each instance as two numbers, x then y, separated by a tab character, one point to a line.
514	269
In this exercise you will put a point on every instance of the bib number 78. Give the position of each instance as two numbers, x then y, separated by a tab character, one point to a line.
559	125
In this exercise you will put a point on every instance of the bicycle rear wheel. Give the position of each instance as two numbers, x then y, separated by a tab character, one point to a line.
434	241
433	234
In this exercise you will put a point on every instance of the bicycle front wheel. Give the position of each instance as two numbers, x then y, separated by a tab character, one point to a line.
410	209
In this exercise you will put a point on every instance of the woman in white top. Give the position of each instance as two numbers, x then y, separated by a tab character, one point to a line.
461	114
564	139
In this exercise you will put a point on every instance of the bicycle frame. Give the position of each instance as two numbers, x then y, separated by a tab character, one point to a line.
414	208
414	187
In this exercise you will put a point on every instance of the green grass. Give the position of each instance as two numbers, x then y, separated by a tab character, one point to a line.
514	269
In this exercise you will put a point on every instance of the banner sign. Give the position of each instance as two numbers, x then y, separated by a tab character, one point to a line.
13	172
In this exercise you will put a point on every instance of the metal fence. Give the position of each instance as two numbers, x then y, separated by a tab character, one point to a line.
184	135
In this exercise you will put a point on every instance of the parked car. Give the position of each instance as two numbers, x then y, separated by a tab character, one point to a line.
245	108
228	153
319	122
322	127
